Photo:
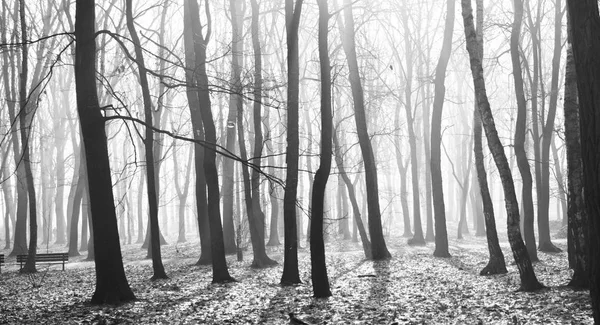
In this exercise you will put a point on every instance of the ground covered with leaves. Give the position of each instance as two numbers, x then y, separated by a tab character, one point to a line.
412	288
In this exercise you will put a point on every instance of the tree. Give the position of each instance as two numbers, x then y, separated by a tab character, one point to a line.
200	41
320	281
529	281
25	122
192	93
157	265
520	133
111	283
378	246
234	100
585	35
496	263
441	234
576	214
339	160
291	274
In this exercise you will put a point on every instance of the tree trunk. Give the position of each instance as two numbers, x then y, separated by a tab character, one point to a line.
26	124
496	263
441	234
320	281
378	246
111	282
577	223
291	274
520	134
234	99
157	265
529	281
585	33
192	92
219	263
545	242
339	160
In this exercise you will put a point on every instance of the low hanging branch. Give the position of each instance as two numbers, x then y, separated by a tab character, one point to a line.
209	146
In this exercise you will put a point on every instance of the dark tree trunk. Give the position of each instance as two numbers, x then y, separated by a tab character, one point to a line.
529	281
496	263
577	224
441	234
520	134
320	281
111	282
219	263
378	246
585	34
26	123
157	265
194	103
291	274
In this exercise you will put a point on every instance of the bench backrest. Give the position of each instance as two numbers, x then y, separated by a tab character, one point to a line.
1	258
49	257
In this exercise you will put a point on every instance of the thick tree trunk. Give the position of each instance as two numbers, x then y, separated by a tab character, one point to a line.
577	224
585	33
111	283
529	281
378	246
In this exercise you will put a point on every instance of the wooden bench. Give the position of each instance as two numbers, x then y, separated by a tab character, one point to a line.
50	258
1	261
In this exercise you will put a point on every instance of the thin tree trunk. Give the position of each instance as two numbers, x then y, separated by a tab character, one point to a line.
441	234
378	246
194	103
219	263
529	281
291	275
157	265
520	135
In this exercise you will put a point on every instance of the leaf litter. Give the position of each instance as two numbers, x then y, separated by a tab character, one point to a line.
412	288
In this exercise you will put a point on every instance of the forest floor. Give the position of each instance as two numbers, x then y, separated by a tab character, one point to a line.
412	288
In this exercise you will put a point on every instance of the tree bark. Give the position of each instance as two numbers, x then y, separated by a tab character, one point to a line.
291	275
378	246
441	234
520	134
529	281
320	281
578	223
111	283
157	265
196	118
585	33
219	263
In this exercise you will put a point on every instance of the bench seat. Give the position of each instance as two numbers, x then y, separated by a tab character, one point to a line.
49	258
